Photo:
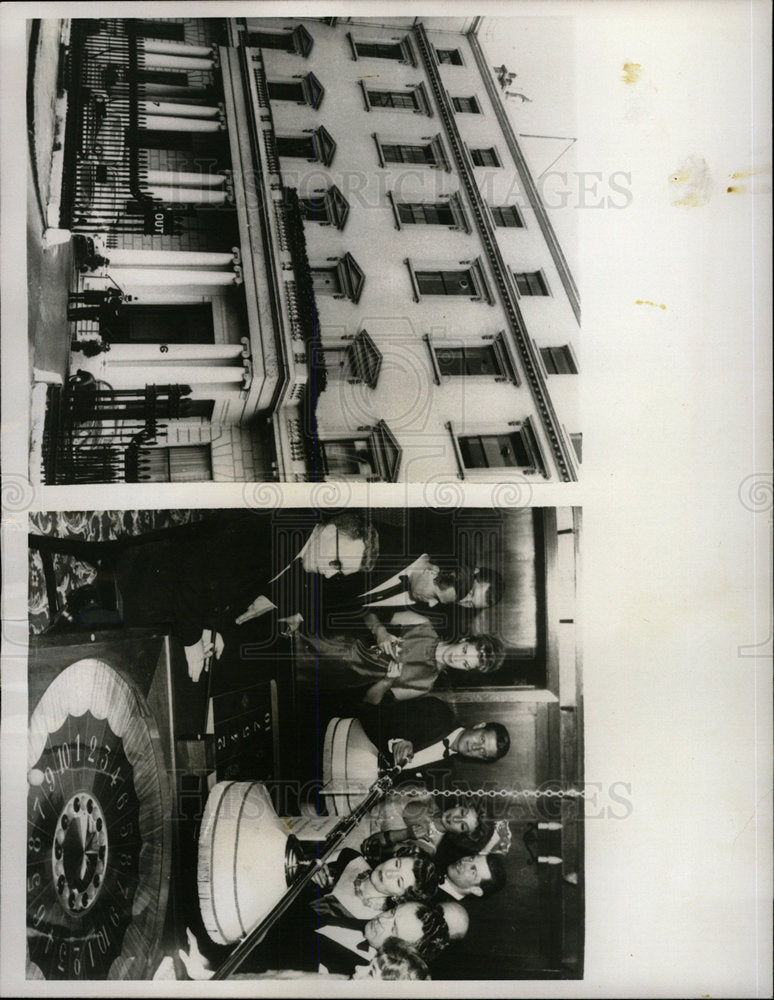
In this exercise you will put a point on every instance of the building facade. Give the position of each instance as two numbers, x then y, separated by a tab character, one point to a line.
308	249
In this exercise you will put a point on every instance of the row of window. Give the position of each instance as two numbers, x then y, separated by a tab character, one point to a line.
317	146
373	457
308	90
345	279
192	323
376	456
398	49
331	208
359	360
363	457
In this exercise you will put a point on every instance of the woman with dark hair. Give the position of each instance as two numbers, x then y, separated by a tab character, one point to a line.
356	890
416	662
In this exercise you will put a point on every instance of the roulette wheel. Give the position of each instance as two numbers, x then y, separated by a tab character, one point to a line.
99	813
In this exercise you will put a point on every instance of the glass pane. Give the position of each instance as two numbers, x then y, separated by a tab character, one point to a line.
473	454
480	361
449	56
295	145
379	50
286	91
497	449
487	451
408	154
445	283
271	40
314	209
531	283
431	282
348	458
506	215
451	361
483	157
325	280
392	99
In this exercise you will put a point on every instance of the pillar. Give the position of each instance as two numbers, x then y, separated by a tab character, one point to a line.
168	258
170	123
160	45
125	354
185	178
179	110
155	60
188	195
125	278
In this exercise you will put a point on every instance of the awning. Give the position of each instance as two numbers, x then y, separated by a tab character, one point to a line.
302	40
324	146
313	90
386	451
338	207
365	359
352	277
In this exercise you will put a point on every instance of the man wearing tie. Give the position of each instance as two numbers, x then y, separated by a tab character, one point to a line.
417	734
345	945
475	875
448	598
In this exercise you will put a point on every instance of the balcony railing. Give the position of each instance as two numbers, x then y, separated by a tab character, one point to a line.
93	433
131	98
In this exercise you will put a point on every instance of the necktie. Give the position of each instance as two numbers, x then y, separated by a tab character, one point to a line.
446	749
363	946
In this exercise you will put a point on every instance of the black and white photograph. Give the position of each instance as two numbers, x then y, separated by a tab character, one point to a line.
368	625
362	729
300	249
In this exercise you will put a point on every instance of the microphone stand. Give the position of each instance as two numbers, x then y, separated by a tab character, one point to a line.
254	937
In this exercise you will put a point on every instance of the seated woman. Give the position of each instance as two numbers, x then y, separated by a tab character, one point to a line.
412	813
446	834
355	890
417	661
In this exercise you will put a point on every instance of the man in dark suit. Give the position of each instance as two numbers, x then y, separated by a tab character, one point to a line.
422	732
475	875
200	580
342	945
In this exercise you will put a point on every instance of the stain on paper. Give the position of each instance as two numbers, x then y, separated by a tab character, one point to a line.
631	72
739	175
647	302
754	187
692	183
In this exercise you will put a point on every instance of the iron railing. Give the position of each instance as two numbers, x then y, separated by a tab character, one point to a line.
93	433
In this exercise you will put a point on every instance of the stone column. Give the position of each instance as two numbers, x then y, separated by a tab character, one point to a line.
171	123
173	354
169	258
185	178
125	278
179	110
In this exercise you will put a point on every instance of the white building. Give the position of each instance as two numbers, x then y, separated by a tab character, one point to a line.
327	230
